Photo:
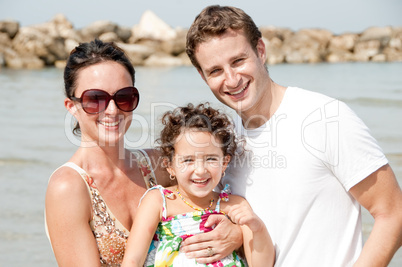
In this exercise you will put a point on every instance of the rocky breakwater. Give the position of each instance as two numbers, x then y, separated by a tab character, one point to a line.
152	42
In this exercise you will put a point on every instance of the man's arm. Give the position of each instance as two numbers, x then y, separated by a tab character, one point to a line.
381	195
224	239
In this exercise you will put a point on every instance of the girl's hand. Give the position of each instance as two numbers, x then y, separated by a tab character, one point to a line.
242	214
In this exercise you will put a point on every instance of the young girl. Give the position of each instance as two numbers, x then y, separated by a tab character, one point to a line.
198	143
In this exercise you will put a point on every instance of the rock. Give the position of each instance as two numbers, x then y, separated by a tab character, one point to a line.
393	54
319	35
345	42
365	50
303	56
382	34
152	44
270	32
124	33
14	61
61	20
161	59
396	43
45	41
69	45
31	41
2	59
306	46
110	37
64	28
60	64
57	49
58	27
396	39
10	27
185	59
273	51
5	40
136	52
275	58
101	27
96	29
379	58
152	27
177	45
339	56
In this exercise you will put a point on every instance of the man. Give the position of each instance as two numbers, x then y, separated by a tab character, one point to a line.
313	161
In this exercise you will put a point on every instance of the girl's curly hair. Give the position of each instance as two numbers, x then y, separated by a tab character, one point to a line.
201	118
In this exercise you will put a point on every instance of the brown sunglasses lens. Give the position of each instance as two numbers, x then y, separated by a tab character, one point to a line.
126	99
94	100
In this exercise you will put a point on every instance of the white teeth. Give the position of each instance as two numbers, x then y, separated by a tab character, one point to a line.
239	91
109	124
200	181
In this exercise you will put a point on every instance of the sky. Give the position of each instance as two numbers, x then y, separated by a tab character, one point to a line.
338	16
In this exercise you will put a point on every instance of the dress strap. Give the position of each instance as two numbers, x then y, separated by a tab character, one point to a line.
224	195
87	179
164	192
145	166
218	205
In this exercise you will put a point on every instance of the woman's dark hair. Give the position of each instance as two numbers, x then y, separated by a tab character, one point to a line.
200	118
88	54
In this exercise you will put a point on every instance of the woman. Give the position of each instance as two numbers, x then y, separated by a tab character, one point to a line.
100	94
91	200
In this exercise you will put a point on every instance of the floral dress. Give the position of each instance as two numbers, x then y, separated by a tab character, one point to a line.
171	231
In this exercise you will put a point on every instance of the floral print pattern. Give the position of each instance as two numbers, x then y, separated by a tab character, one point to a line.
171	231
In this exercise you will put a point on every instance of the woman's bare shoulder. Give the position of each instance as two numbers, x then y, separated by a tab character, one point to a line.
64	182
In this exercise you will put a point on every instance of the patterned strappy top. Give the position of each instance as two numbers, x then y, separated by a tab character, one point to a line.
111	236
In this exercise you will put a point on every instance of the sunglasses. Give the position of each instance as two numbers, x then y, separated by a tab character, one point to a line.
94	101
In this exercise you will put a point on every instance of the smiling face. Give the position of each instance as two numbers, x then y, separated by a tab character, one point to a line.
198	164
235	73
107	127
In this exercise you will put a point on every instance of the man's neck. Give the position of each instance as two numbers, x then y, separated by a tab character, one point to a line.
254	118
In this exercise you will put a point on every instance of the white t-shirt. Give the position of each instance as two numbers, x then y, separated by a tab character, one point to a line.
304	160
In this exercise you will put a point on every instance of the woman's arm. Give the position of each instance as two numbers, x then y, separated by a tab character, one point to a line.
146	221
68	212
257	242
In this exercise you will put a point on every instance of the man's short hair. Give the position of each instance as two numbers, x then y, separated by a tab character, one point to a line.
215	20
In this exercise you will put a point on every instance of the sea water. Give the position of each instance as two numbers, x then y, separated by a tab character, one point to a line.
36	138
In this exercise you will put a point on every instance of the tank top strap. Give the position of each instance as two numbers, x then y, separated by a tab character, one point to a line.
84	175
164	192
145	167
218	205
224	195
